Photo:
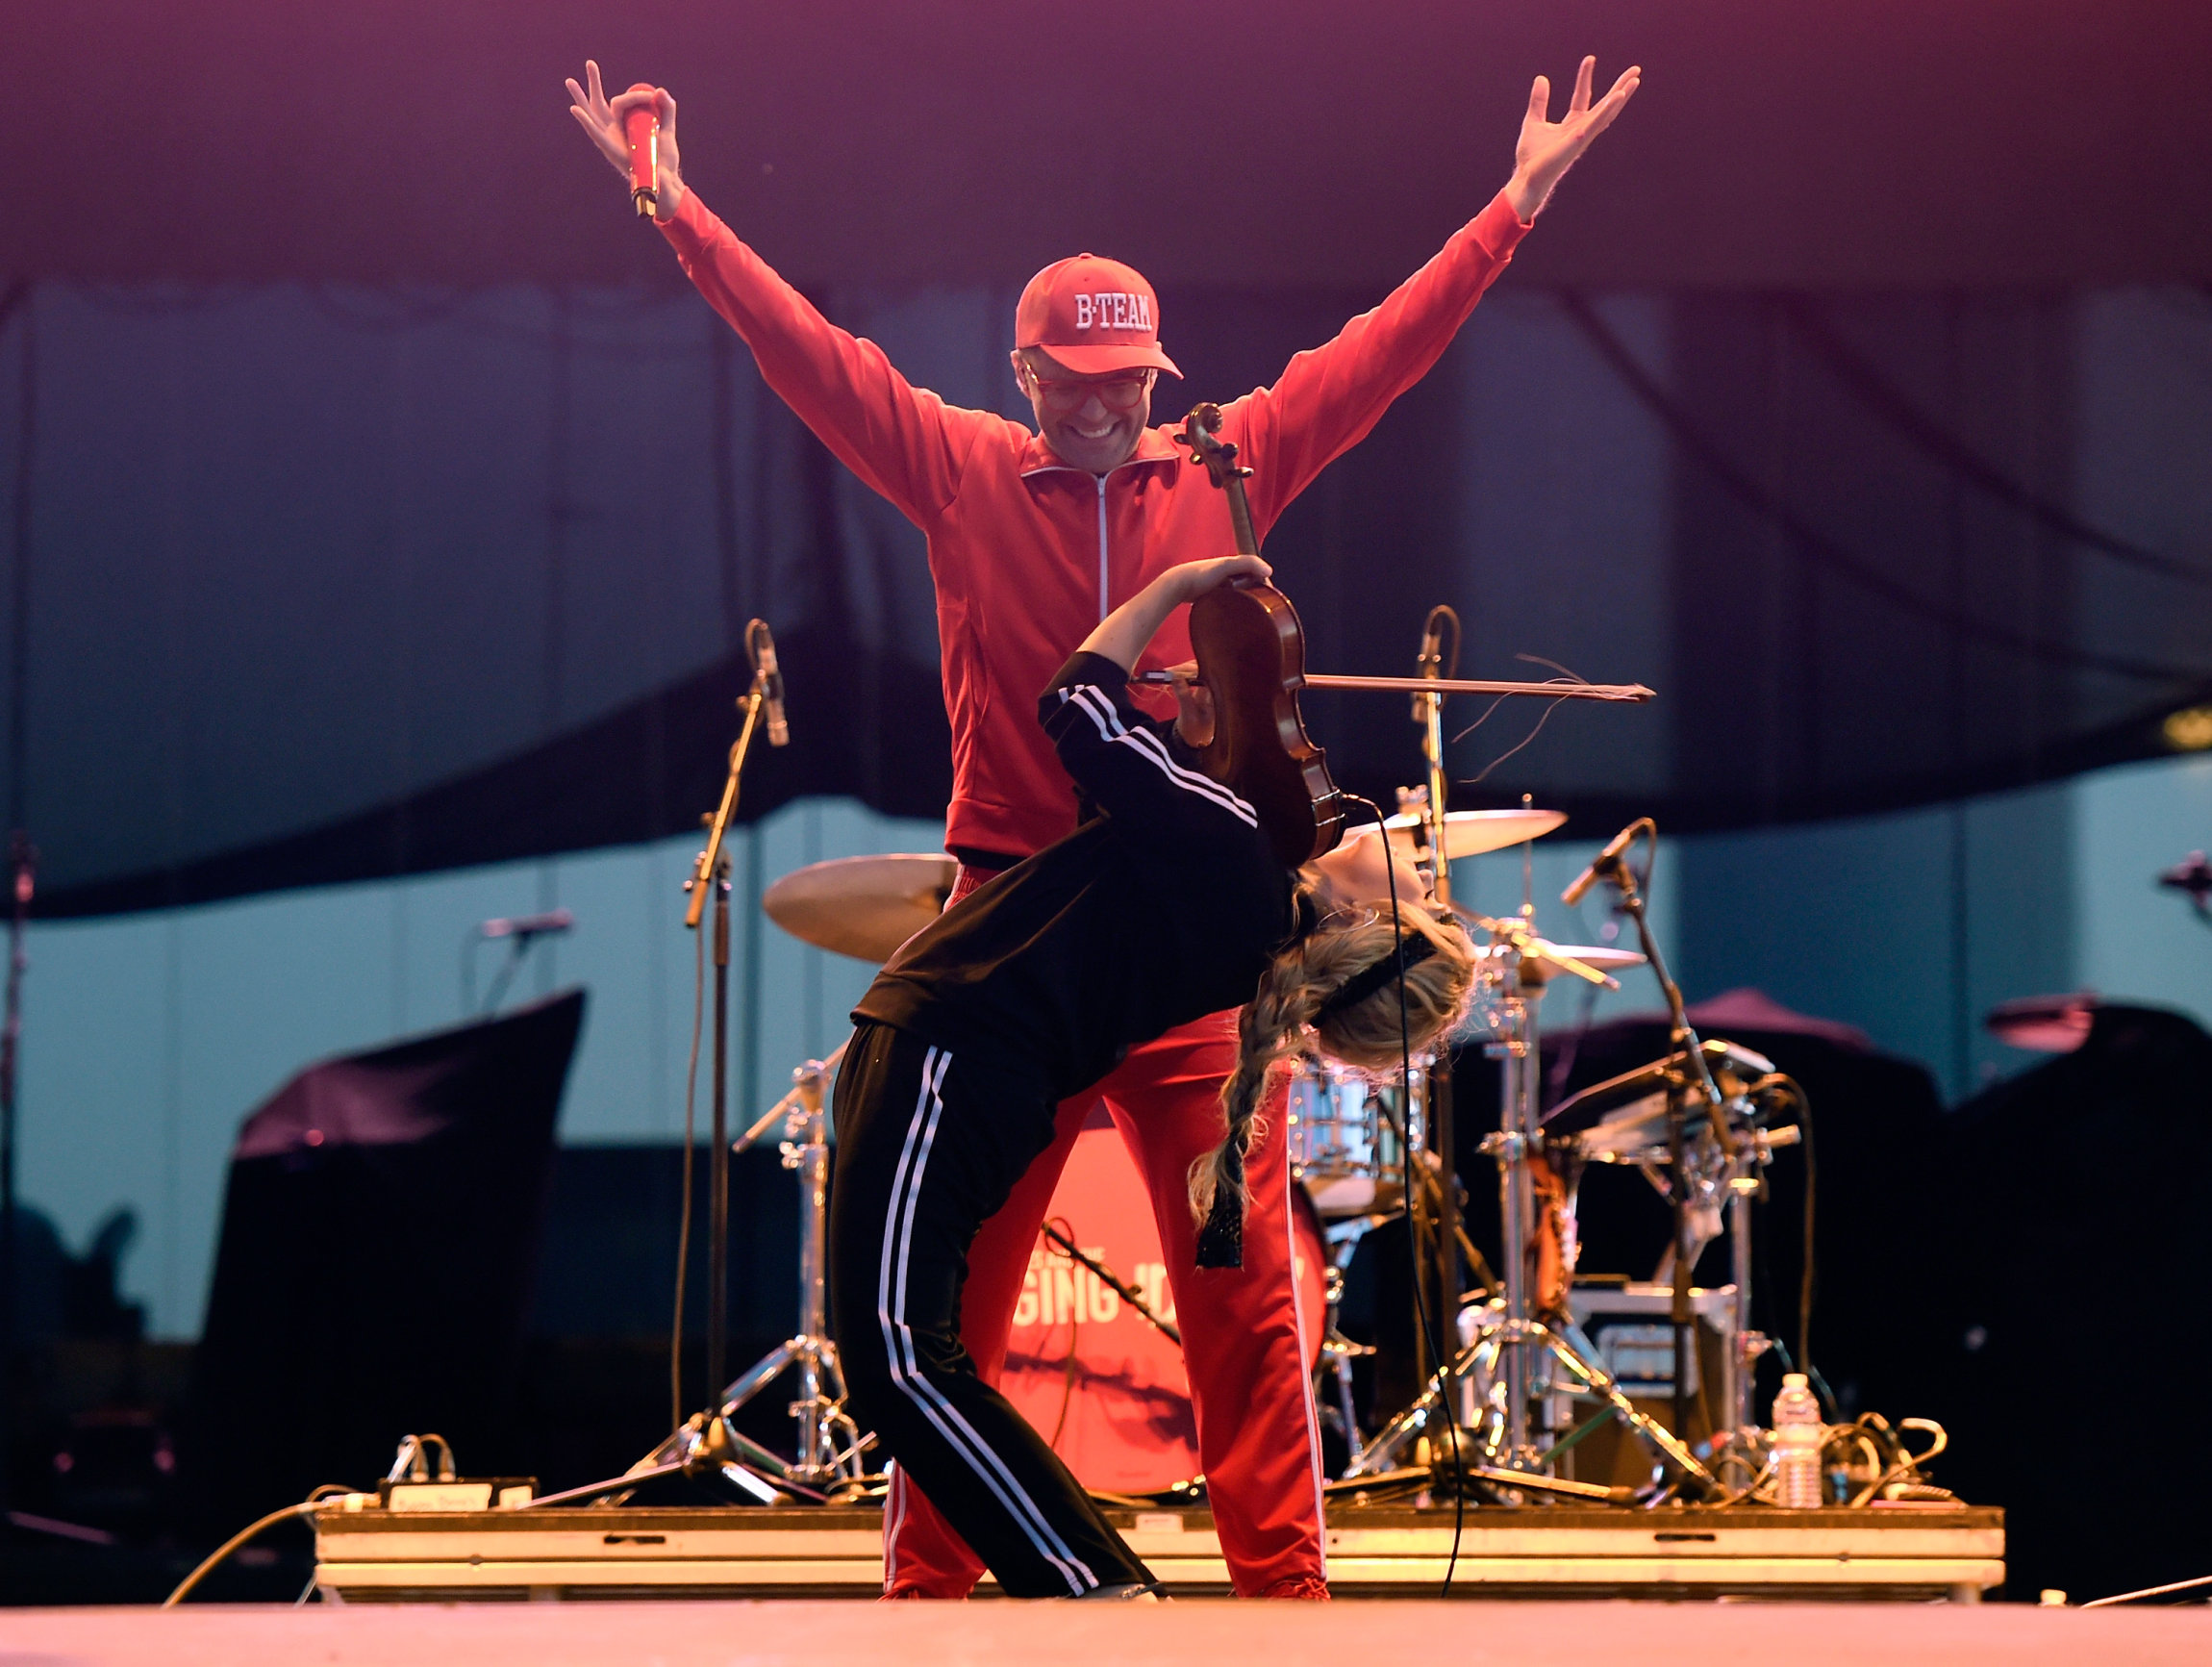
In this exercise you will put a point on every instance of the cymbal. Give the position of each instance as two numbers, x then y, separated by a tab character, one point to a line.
1602	956
864	907
1468	833
1541	959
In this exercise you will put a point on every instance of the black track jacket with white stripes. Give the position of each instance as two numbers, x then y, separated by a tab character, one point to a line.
1163	906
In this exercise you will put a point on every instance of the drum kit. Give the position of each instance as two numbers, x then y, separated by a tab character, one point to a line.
1525	1383
1364	1151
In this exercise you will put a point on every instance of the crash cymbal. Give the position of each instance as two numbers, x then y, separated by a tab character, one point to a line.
864	907
1468	833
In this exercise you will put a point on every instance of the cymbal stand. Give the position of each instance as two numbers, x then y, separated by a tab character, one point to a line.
1443	1221
830	1444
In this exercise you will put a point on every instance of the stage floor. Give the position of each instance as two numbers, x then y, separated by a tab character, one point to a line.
1193	1633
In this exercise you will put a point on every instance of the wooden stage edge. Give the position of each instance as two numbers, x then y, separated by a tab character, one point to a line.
1909	1555
1186	1633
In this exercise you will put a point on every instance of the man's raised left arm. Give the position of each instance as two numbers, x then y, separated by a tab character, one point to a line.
1327	399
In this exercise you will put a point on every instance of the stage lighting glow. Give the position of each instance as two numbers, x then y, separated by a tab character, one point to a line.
2189	729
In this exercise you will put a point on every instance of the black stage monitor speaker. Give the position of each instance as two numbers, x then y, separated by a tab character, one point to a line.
380	1237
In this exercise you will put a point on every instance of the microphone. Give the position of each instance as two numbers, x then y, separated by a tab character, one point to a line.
763	647
641	129
528	926
1429	662
1599	864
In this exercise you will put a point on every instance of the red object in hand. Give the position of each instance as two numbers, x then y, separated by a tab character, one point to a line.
642	128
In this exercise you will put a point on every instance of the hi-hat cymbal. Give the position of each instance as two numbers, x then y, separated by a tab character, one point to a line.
864	907
1468	833
1552	958
1541	959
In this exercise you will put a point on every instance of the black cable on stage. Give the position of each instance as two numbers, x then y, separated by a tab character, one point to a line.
1406	1165
1781	1083
1805	1280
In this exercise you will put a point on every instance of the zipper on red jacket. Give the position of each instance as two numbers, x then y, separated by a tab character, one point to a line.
1105	588
1102	569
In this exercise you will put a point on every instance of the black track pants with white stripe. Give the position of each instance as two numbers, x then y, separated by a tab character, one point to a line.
928	1148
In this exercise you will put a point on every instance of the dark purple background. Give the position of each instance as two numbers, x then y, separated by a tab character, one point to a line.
1908	142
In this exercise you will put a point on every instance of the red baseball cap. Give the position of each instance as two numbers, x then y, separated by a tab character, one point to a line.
1093	315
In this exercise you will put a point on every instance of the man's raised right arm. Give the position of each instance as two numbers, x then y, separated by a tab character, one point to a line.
904	442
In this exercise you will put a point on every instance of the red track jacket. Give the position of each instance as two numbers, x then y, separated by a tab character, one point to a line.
1028	554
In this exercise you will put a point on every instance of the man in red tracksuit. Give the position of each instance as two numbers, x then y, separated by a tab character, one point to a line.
1035	537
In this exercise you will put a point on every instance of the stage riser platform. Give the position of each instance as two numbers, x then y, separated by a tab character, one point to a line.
568	1556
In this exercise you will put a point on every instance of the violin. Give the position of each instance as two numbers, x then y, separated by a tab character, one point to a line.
1251	654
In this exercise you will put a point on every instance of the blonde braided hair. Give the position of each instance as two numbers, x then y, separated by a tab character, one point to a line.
1303	974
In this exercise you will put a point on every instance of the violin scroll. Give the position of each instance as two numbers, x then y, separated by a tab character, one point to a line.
1201	433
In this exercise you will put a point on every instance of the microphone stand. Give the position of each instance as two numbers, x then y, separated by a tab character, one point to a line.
711	874
1683	1038
708	1443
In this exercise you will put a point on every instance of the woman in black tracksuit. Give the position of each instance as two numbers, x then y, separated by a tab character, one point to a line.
1164	905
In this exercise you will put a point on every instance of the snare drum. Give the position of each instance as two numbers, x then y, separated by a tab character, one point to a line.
1342	1144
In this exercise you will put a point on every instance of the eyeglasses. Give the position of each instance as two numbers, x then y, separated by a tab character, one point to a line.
1122	392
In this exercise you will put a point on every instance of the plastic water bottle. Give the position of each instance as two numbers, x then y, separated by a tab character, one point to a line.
1797	1431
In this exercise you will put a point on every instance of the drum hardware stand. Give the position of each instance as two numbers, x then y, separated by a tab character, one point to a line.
1477	1365
706	1446
1408	1123
1740	1449
1612	866
1498	1357
1497	1360
1739	1446
1443	1221
1519	1051
830	1444
1339	1352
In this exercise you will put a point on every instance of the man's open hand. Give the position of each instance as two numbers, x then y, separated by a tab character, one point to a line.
1549	148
